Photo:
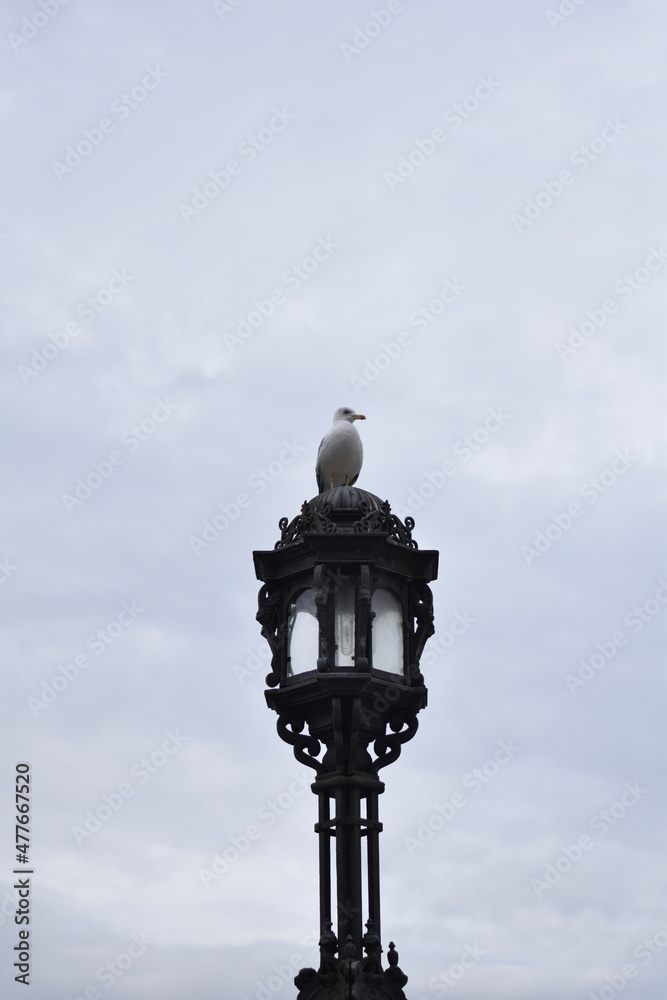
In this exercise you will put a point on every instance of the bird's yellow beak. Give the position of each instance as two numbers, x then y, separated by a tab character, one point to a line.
358	416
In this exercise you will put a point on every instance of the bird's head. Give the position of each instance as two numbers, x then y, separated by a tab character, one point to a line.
345	413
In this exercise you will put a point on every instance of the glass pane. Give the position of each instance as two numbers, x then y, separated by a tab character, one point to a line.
387	632
344	615
303	634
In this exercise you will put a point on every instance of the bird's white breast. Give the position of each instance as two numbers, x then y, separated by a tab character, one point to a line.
340	453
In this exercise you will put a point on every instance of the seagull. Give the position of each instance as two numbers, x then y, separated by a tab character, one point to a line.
340	454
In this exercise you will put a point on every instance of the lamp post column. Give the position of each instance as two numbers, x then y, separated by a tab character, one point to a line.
346	609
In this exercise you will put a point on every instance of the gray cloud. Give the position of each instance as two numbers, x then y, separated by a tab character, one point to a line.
190	661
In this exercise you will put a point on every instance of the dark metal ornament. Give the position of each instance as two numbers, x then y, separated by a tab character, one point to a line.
347	721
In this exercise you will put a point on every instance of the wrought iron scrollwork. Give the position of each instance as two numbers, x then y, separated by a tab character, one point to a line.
319	521
383	520
307	520
421	612
404	725
273	629
306	747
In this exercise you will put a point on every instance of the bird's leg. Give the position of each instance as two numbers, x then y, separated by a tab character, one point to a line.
331	481
347	481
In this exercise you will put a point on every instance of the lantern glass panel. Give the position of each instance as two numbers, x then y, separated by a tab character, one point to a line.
303	632
387	631
344	625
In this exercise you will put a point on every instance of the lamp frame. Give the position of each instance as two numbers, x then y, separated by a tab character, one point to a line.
347	722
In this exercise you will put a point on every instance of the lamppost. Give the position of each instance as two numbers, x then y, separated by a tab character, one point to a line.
346	609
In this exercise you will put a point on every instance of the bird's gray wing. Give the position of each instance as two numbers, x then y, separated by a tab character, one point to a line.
321	487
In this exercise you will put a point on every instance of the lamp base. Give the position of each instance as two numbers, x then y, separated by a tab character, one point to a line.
350	979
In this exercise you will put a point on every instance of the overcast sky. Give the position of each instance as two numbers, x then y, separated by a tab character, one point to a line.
220	222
